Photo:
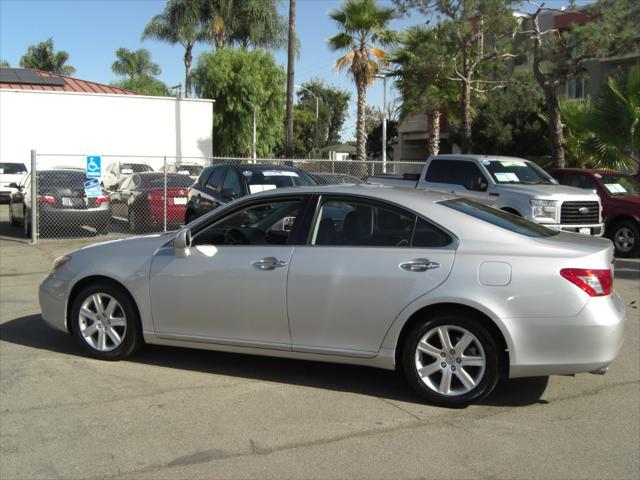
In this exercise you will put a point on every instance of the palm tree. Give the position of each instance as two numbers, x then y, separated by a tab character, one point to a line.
362	23
616	120
422	70
42	57
180	22
134	63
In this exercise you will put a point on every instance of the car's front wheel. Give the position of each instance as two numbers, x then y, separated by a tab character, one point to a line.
626	238
106	322
451	359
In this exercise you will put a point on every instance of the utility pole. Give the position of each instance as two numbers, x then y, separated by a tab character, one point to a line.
291	54
254	134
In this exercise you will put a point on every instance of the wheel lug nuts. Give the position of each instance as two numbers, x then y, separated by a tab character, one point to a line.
458	360
443	365
453	369
452	351
442	354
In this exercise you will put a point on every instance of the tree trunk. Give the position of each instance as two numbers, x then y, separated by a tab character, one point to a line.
555	126
361	134
291	53
188	58
465	107
433	132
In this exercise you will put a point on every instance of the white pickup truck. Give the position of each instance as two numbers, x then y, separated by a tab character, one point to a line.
511	184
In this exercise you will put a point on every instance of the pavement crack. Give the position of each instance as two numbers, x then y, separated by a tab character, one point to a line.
389	402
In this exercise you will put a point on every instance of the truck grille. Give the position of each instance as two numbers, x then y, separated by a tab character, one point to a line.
570	213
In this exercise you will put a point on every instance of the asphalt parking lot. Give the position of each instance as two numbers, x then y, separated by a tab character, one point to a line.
174	413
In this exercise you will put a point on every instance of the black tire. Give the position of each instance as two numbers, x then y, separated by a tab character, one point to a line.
485	380
132	338
26	223
625	236
12	220
135	225
189	216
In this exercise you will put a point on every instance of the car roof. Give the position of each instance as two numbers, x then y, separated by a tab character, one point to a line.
473	156
589	170
407	196
258	167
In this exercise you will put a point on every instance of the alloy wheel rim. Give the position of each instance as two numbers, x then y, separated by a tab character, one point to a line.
450	360
624	239
102	321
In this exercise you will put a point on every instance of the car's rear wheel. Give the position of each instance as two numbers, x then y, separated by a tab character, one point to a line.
451	359
106	322
626	238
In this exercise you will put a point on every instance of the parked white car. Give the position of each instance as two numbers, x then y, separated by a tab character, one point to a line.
116	172
10	172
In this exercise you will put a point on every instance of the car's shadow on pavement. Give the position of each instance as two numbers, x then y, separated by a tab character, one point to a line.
31	331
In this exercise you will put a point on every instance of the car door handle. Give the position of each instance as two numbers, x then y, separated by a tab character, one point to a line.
419	265
269	263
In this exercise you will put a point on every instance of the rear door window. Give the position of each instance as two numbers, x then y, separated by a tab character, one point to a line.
455	172
499	218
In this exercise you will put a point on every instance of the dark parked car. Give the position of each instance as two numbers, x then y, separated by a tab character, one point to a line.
140	200
620	196
62	202
219	184
330	178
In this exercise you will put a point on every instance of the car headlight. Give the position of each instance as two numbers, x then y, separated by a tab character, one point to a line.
59	262
544	208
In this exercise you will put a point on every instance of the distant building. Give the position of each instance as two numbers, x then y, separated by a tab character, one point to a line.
339	151
61	115
412	133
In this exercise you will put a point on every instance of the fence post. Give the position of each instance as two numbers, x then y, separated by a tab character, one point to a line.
34	198
165	193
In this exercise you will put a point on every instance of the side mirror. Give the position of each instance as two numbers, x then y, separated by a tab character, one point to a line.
182	241
14	185
228	194
114	187
478	185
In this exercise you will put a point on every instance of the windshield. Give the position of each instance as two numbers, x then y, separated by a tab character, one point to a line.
262	180
51	179
193	170
496	217
12	168
619	185
134	168
517	171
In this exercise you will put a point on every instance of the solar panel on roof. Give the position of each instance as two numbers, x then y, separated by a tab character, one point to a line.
28	76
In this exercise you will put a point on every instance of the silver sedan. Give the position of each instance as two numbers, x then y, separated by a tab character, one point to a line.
455	294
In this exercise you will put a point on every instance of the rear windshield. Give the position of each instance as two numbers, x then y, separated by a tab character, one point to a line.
61	178
269	179
12	168
496	217
173	181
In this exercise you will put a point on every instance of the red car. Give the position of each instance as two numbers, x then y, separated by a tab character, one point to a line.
140	200
620	196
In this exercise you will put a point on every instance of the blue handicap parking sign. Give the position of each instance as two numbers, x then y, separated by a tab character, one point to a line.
93	167
92	188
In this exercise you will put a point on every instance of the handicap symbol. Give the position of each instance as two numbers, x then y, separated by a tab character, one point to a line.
92	166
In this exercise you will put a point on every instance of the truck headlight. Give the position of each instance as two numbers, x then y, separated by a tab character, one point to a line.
544	208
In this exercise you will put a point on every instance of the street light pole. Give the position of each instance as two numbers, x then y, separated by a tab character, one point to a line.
254	133
315	142
384	120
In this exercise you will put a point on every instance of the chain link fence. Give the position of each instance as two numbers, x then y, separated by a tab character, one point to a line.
133	194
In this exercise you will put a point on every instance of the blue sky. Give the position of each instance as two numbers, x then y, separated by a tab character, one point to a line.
92	30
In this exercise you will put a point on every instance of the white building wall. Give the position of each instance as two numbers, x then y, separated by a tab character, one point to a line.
100	124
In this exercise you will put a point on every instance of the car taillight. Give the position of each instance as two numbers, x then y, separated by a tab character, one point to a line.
597	283
101	199
46	199
154	197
